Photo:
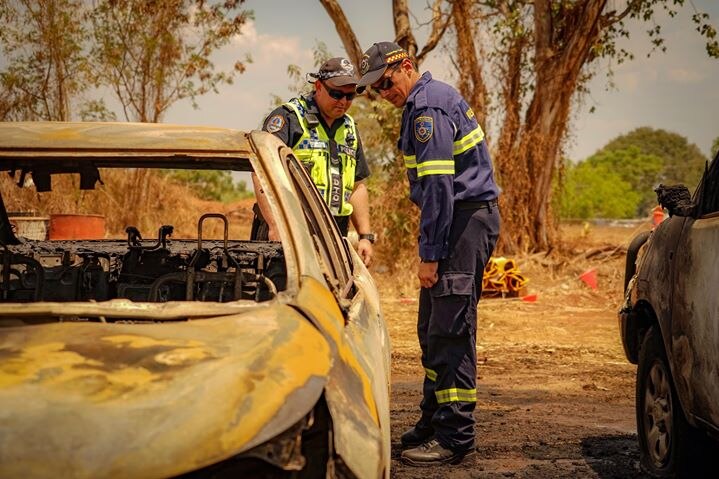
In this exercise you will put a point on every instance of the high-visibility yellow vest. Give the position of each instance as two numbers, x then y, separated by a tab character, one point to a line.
332	172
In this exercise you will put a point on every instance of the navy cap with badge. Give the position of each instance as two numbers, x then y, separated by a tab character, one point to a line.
376	60
335	72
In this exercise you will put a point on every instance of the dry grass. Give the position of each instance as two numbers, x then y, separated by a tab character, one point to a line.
551	274
165	203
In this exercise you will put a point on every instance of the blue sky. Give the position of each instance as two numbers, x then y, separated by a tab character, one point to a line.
677	91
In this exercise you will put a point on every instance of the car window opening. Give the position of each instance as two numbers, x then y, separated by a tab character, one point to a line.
201	253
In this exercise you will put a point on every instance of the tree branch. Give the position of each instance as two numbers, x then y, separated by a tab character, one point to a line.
439	26
344	30
402	29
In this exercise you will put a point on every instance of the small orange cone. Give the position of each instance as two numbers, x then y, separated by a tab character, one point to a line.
530	298
657	215
590	278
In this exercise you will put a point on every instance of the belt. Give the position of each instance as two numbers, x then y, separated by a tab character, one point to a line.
475	205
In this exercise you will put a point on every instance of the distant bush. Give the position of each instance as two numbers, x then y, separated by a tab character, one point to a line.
595	191
214	185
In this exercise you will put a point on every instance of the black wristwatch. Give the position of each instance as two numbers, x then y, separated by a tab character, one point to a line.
368	236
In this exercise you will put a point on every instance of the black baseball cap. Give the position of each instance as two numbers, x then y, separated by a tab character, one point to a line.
336	72
376	60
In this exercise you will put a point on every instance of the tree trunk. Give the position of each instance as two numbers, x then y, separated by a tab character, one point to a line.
344	30
559	58
471	81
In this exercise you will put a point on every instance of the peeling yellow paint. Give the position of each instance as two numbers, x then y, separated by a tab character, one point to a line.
181	356
48	358
289	374
138	342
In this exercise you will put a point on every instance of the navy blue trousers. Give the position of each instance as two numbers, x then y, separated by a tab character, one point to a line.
447	329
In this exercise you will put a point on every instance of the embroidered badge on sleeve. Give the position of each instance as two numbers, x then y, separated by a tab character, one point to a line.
423	128
275	123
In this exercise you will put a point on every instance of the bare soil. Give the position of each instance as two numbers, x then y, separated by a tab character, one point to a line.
555	392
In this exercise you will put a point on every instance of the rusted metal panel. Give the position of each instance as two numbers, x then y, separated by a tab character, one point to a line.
357	392
695	319
152	400
124	399
134	139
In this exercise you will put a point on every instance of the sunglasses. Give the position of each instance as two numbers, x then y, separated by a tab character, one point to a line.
386	83
338	95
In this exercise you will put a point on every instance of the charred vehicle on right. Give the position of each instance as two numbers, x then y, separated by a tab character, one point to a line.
670	329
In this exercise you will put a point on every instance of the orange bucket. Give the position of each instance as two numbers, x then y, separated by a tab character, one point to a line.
73	226
589	277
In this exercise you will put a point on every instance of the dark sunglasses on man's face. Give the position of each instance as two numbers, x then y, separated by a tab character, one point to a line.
386	83
338	95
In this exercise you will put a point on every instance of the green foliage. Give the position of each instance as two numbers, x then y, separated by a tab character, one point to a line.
623	174
682	162
154	53
213	185
43	45
596	191
641	171
715	147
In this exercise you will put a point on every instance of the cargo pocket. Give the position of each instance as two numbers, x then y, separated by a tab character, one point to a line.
453	310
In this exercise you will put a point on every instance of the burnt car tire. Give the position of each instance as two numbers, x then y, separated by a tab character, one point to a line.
668	445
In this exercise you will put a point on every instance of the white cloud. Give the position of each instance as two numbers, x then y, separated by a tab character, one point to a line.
245	103
629	82
269	49
685	76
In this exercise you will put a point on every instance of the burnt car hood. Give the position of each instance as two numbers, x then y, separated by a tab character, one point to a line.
153	400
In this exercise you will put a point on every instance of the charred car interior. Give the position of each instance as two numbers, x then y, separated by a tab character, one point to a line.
139	267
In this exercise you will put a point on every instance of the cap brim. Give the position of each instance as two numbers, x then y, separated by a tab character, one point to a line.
341	81
369	78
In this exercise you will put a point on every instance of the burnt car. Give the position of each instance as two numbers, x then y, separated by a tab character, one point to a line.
670	328
205	355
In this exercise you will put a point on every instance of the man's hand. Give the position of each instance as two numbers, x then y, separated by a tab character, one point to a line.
364	249
272	233
427	274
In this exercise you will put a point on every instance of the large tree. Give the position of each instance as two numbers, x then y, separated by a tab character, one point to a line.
42	41
542	53
154	53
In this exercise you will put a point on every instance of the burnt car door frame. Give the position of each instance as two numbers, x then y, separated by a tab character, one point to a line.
332	247
694	331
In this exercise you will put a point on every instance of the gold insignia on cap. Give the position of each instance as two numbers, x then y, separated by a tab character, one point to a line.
395	56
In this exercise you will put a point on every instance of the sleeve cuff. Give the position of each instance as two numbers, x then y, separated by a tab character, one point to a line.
432	252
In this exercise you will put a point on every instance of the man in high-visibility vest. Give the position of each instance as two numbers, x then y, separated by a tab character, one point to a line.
451	180
325	139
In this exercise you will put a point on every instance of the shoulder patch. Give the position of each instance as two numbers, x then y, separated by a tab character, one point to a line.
275	123
423	128
470	113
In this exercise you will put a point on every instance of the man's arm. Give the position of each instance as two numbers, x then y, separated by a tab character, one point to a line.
360	219
432	136
279	123
264	205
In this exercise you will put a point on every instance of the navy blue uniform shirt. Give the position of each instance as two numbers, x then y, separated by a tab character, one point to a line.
446	158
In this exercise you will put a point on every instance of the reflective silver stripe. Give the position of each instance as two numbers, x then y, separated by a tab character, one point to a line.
410	161
431	375
456	395
435	167
473	138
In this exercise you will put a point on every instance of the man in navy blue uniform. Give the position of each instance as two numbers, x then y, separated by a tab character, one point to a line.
451	180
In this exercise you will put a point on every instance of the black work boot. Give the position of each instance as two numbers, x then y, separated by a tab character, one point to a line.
416	436
432	454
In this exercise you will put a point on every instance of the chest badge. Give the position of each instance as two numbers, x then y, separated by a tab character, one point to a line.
423	128
275	123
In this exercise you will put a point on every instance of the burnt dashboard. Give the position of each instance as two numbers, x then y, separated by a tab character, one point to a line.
157	271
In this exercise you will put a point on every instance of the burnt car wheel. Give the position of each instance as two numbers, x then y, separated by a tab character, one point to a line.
666	439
